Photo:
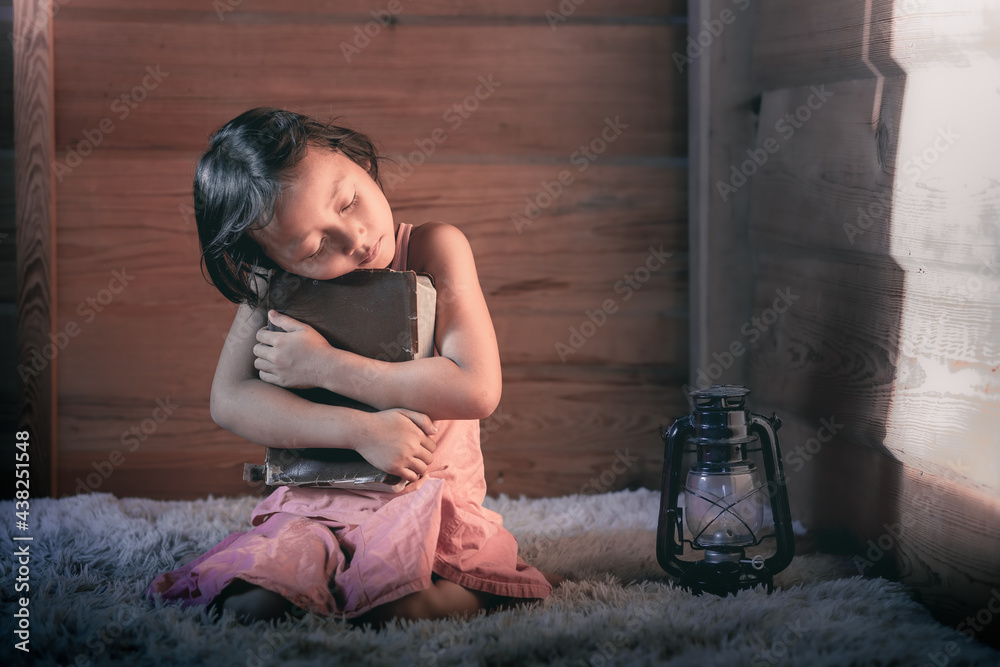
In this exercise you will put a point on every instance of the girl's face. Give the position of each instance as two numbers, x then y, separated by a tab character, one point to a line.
331	219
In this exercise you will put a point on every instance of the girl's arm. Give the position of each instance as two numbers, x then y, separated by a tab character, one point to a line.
397	441
464	382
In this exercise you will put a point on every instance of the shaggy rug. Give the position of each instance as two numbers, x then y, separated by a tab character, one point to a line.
92	556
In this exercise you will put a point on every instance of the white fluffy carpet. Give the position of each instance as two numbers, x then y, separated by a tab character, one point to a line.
93	555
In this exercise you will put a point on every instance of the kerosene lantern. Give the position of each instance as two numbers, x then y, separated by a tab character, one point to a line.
724	495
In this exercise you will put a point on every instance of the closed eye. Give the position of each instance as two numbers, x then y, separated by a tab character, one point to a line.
322	244
349	206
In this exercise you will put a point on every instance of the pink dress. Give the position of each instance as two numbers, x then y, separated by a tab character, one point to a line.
341	553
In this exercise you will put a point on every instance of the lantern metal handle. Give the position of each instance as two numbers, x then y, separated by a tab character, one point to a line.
671	520
782	515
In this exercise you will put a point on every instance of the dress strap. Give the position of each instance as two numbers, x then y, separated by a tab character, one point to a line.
402	247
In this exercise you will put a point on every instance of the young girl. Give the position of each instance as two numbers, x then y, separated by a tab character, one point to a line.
278	191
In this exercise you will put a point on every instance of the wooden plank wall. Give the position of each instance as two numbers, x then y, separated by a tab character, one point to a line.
185	67
8	258
723	99
877	216
32	251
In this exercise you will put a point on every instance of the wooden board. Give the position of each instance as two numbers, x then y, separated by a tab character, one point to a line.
723	97
354	10
555	432
822	42
917	351
36	290
126	216
401	89
896	521
878	208
533	307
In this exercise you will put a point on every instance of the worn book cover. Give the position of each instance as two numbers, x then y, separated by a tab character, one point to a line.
378	313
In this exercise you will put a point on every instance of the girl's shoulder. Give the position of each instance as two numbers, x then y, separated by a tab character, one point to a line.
434	245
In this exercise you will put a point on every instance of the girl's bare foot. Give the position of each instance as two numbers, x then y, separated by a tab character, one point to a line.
443	598
252	603
553	579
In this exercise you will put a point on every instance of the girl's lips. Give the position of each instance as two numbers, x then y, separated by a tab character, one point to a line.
374	253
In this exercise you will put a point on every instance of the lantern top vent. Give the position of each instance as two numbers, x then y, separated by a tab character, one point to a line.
721	396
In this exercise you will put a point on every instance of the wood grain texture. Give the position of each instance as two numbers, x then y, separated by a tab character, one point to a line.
360	9
878	211
34	192
929	530
582	430
723	126
7	88
8	227
920	340
401	88
125	209
605	228
557	431
812	43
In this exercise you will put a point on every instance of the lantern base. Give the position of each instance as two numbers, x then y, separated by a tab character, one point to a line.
724	578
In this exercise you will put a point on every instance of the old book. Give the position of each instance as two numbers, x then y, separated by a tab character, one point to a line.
378	313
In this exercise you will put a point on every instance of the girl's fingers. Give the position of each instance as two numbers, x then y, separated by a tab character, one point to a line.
424	455
423	421
285	322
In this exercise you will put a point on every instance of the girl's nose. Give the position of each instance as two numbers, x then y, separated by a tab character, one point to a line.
355	238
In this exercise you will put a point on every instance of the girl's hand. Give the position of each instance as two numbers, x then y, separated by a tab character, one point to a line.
397	441
291	358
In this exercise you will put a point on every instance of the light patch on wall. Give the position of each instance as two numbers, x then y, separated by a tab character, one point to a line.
943	231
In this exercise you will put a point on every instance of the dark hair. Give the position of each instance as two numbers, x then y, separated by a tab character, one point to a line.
239	180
